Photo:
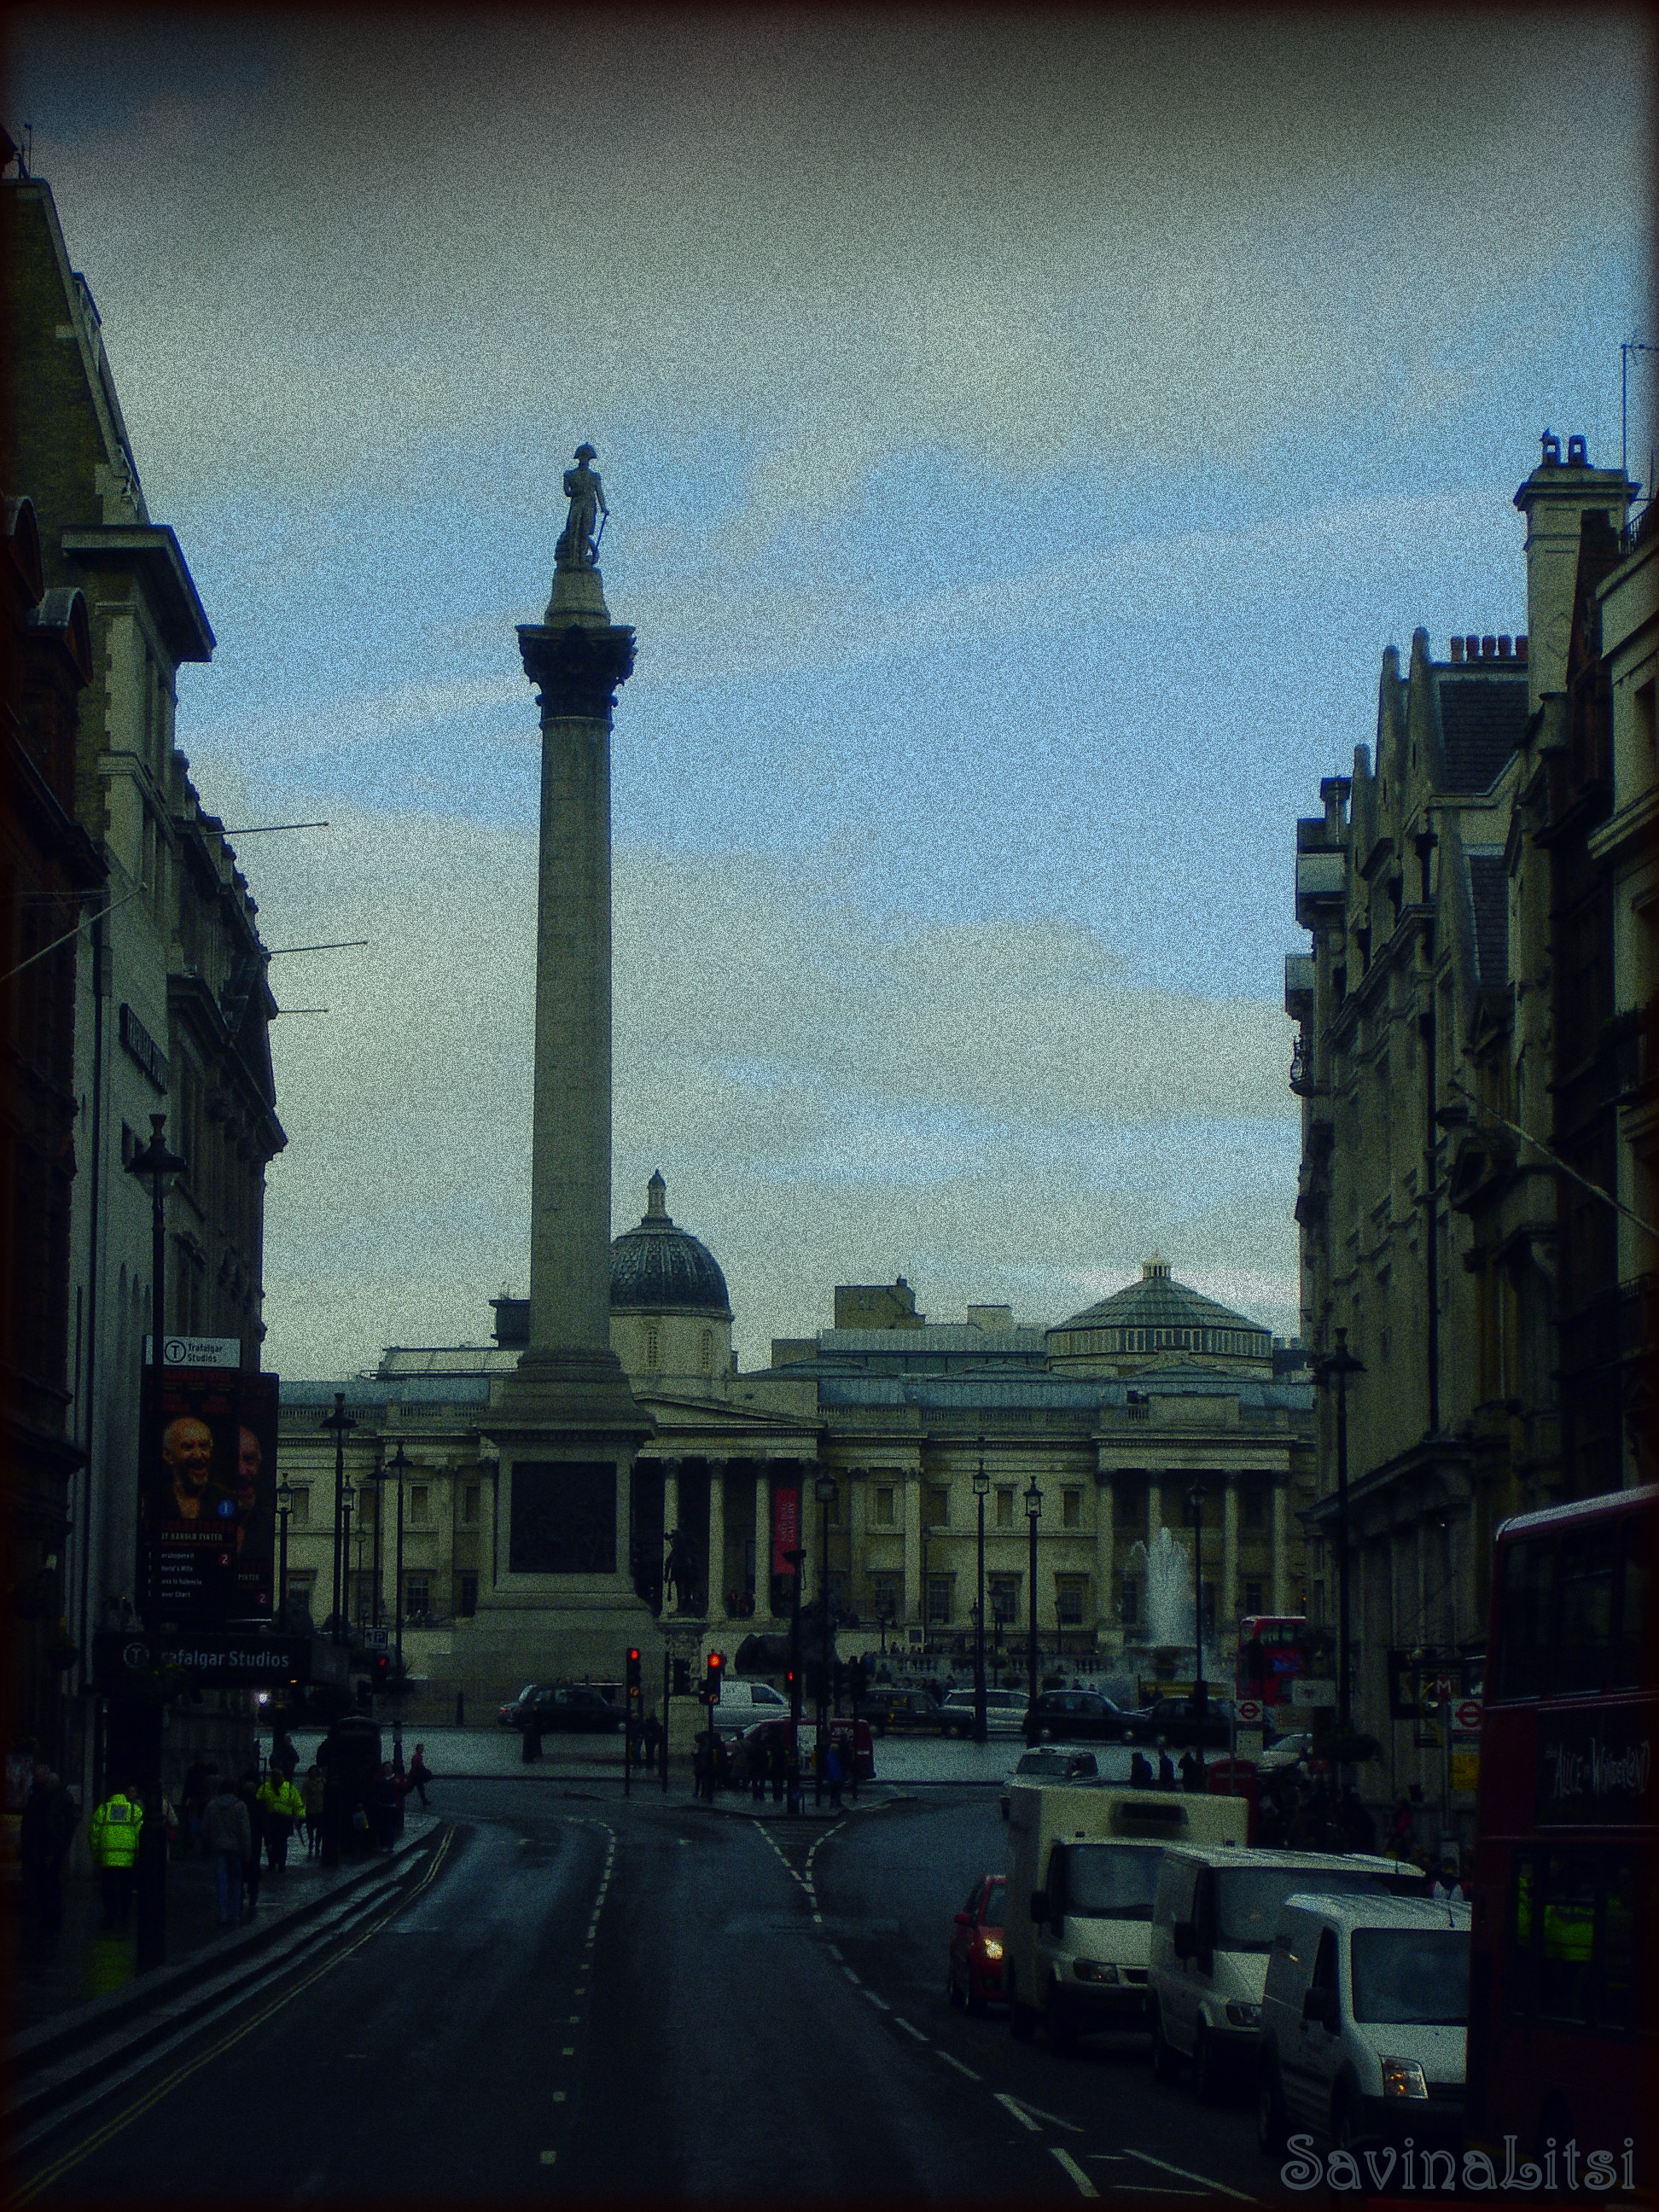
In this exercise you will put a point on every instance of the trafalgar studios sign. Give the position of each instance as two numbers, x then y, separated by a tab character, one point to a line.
196	1350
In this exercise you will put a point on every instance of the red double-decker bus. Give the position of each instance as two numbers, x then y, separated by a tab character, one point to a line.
1271	1656
1561	2004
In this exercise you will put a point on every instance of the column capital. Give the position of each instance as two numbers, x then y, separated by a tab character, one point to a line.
580	669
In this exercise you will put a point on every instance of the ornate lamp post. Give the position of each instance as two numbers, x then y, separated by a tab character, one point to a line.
378	1478
1336	1367
981	1491
823	1489
398	1465
345	1563
157	1162
284	1507
1195	1497
341	1424
1033	1514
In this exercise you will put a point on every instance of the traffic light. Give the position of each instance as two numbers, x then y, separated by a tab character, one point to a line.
711	1680
635	1684
682	1678
379	1670
858	1680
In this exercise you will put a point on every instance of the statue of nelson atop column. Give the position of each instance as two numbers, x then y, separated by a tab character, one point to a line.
579	543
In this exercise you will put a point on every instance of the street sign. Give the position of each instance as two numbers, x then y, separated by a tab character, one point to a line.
1249	1710
1467	1715
1306	1690
197	1350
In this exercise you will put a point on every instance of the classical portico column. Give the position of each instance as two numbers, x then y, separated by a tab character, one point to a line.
671	1521
916	1598
1281	1595
1104	1563
1226	1610
762	1540
717	1540
1154	1512
853	1493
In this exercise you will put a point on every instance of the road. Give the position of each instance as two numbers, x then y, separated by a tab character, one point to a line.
649	2001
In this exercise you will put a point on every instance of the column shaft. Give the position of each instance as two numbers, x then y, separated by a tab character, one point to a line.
1226	1606
671	1521
1281	1595
1104	1563
717	1540
916	1598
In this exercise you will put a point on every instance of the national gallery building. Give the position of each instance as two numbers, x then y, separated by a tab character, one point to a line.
871	1433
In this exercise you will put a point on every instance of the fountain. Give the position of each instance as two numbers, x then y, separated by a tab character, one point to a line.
1165	1567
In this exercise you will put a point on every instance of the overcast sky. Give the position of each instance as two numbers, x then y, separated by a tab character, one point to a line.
1023	436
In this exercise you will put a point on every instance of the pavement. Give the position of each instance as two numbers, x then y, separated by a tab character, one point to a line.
90	1970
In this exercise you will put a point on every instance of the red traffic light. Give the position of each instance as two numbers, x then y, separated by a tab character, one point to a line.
633	1654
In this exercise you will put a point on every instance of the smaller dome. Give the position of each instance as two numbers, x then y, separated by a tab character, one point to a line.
658	1268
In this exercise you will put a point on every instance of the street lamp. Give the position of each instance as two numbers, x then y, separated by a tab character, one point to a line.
823	1489
284	1507
398	1465
795	1561
157	1162
981	1491
378	1478
1033	1513
345	1563
341	1424
1336	1367
1195	1497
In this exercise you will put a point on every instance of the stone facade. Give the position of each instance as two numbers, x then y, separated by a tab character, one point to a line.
172	1004
1454	1042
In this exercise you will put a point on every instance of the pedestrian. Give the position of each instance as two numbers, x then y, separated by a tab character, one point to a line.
1397	1842
652	1734
420	1774
227	1838
50	1817
383	1808
760	1766
1166	1773
832	1775
700	1767
779	1763
1449	1882
532	1733
1192	1770
116	1826
248	1792
311	1799
460	1708
1140	1771
281	1805
284	1756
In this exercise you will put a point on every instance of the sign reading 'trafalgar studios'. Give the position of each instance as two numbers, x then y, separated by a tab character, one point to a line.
120	1657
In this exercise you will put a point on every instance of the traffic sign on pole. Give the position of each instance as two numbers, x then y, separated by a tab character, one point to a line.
1249	1710
1467	1715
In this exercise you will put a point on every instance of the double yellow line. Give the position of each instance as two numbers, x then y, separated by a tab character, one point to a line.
169	2082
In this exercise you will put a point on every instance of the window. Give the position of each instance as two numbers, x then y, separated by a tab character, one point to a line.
706	1349
420	1503
1004	1598
1071	1508
938	1597
885	1513
1523	1618
1128	1601
935	1506
1631	1652
299	1588
653	1348
466	1602
1005	1509
1071	1592
470	1497
886	1590
299	1518
1585	1576
417	1596
1252	1597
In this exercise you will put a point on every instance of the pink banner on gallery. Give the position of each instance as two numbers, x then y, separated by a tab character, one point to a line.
785	1528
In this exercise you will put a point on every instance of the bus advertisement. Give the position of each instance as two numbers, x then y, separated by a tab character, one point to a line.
1561	2012
1271	1655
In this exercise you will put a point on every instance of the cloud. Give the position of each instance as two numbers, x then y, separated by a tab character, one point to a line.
831	1096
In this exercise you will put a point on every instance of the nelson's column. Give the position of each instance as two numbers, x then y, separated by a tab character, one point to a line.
564	1424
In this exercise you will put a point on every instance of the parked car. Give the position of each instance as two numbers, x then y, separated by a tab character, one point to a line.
572	1708
767	1734
1053	1763
1175	1720
1286	1752
1074	1716
1005	1712
973	1972
902	1711
1364	2021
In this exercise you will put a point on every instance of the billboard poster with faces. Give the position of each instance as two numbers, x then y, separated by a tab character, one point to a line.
210	1502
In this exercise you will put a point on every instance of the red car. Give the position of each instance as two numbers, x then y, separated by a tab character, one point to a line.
973	1975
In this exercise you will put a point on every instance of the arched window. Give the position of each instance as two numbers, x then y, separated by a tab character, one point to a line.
652	1346
707	1348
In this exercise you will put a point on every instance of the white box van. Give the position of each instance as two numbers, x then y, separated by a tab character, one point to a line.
1083	1867
1364	2021
743	1703
1213	1928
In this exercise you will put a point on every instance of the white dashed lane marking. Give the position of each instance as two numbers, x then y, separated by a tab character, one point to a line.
1013	2105
1186	2174
899	2022
1084	2186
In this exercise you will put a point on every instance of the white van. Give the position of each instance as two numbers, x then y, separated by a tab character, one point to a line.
1212	1931
1083	1868
1364	2021
743	1703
